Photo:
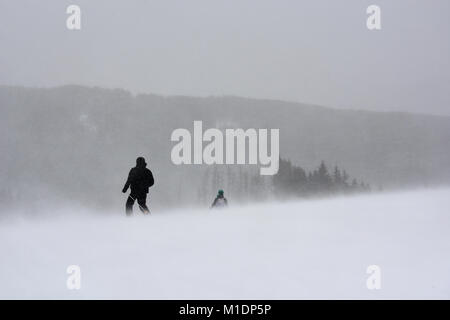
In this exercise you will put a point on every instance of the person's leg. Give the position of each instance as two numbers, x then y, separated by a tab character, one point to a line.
142	204
129	206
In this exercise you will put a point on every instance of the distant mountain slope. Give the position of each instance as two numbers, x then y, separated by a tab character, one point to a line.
77	142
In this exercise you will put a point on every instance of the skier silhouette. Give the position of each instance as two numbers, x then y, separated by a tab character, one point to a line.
139	180
220	201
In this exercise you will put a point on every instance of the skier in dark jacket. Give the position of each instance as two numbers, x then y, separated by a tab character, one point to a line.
220	201
139	180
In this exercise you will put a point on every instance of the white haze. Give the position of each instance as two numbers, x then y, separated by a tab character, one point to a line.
314	51
304	249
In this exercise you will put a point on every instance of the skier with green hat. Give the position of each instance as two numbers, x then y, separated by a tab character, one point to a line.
220	201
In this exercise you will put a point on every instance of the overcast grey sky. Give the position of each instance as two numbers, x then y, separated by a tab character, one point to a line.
313	51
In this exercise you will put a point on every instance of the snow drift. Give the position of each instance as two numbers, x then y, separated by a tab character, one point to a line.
295	250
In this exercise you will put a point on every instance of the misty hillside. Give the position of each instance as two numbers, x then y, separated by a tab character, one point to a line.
78	143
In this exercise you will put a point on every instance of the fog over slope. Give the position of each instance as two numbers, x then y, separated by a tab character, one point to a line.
77	143
294	250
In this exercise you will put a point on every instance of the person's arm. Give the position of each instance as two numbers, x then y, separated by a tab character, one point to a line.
226	201
214	203
128	182
150	179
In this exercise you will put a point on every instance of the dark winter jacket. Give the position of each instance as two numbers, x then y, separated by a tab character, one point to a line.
219	202
139	179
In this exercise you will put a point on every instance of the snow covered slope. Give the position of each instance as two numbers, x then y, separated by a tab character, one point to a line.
307	249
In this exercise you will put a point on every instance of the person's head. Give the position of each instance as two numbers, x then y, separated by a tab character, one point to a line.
220	193
140	162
